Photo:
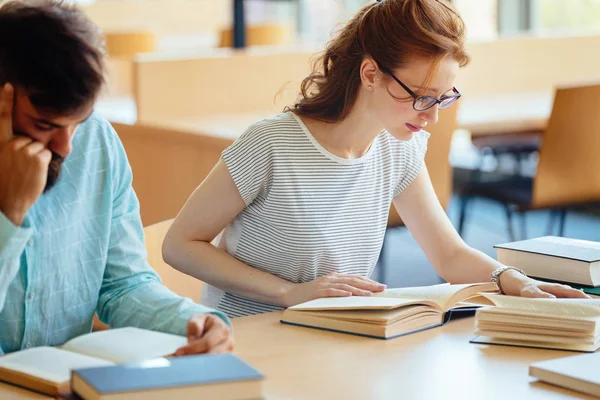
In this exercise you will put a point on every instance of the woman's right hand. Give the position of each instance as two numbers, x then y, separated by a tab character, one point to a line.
332	285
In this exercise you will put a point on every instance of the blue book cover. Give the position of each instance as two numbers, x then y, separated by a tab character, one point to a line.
166	373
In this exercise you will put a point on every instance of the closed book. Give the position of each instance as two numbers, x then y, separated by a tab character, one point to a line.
555	258
562	324
210	376
580	373
388	314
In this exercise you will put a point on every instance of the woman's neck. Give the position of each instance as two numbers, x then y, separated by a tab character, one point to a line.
349	138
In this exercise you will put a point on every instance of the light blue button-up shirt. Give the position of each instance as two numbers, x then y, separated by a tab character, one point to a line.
80	251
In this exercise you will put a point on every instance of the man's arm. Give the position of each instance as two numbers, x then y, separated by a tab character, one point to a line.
23	173
13	240
131	292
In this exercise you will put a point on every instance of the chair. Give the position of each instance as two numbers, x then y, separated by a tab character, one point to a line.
180	283
167	166
438	166
568	161
260	35
129	43
437	160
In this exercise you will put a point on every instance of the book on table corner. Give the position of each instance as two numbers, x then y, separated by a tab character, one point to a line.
210	376
554	258
580	373
388	314
48	369
561	324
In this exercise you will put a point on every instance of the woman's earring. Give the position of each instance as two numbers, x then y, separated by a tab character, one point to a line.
370	87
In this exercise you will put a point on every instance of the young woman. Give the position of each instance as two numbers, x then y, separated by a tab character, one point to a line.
301	199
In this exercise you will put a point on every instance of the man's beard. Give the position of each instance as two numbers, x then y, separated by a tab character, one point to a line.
53	171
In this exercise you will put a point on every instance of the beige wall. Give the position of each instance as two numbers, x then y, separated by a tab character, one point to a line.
163	17
529	64
223	81
119	81
226	81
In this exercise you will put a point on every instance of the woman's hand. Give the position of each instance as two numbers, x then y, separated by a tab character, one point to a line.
514	283
332	285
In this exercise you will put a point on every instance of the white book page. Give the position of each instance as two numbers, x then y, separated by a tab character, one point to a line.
49	363
126	345
553	307
439	294
354	302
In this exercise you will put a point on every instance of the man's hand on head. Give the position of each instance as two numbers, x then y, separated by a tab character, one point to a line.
207	333
23	164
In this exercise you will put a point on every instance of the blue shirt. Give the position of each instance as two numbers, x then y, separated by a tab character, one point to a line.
80	251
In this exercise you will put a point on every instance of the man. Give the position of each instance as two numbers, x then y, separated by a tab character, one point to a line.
71	239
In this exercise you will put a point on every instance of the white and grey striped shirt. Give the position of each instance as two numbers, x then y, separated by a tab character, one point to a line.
308	212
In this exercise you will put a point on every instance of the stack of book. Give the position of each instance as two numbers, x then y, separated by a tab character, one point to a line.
566	324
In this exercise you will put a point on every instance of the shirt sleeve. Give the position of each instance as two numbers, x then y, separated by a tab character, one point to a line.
13	240
411	157
132	293
249	161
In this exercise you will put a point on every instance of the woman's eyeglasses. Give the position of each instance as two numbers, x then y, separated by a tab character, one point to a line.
422	103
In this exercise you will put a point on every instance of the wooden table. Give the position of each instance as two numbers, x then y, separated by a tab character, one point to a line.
303	363
497	115
505	114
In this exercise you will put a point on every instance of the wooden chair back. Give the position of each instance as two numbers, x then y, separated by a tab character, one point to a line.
437	159
260	35
180	283
129	43
167	166
569	161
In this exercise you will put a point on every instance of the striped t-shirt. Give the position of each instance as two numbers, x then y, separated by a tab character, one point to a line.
308	212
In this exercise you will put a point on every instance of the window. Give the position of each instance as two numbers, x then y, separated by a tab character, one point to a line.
481	18
560	16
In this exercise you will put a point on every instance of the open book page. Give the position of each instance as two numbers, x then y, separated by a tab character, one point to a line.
49	363
444	295
441	297
571	308
357	303
126	345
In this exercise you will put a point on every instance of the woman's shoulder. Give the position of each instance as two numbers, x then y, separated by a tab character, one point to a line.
277	129
282	123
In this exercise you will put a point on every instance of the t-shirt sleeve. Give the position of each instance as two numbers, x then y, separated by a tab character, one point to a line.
249	161
411	157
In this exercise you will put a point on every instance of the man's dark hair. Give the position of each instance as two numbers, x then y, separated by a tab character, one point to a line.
53	52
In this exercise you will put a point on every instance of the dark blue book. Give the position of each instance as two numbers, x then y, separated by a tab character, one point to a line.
219	376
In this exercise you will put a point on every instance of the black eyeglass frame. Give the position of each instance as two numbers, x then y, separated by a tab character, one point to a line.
434	100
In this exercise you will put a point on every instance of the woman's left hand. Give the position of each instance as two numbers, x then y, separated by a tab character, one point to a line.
516	284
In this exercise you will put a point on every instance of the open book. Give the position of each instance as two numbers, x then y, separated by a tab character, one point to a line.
566	324
391	313
48	369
